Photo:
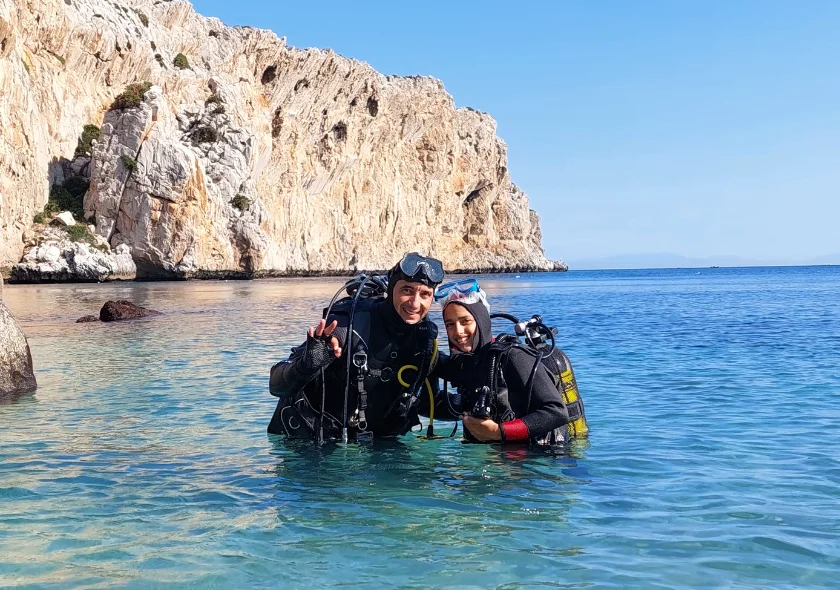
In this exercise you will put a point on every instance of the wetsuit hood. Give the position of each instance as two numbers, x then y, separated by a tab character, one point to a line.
390	314
484	331
392	320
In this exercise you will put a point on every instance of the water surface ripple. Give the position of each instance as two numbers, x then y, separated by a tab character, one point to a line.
142	461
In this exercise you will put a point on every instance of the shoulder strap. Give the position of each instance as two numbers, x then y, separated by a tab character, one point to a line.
361	319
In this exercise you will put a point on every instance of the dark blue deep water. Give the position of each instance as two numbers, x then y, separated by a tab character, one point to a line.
713	396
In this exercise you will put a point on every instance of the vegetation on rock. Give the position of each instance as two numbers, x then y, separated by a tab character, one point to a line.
81	233
77	186
58	57
78	233
204	134
131	97
143	18
85	145
68	197
129	163
181	62
241	202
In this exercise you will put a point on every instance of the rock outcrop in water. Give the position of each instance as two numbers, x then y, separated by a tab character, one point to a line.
16	375
242	156
51	256
115	311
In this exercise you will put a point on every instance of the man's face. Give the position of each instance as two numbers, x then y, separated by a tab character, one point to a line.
412	300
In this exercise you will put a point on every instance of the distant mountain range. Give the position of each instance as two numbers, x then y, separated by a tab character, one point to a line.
666	260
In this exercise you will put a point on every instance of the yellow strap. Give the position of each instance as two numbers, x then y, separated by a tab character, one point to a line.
404	383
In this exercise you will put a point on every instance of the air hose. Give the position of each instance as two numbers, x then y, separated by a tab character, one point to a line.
430	432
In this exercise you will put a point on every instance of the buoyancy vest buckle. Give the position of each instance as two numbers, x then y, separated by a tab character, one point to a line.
359	419
385	374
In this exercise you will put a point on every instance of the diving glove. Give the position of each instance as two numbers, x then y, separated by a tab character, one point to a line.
318	353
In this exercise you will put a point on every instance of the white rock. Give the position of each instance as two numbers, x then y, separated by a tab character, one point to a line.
50	254
66	218
56	258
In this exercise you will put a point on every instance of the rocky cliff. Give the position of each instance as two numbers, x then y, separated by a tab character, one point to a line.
240	154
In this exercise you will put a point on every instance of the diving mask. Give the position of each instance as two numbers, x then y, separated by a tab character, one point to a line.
414	264
463	286
464	291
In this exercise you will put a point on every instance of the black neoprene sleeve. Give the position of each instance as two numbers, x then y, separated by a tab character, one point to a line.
291	375
547	410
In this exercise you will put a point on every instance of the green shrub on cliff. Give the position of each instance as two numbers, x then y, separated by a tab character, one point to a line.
131	97
79	233
52	207
67	197
129	163
204	134
181	62
77	186
85	145
241	202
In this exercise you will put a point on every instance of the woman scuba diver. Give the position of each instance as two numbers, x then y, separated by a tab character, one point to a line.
507	391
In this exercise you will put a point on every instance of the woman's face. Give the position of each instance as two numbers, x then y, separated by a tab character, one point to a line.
460	327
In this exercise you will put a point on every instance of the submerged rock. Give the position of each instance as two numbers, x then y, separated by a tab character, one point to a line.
87	319
16	374
114	311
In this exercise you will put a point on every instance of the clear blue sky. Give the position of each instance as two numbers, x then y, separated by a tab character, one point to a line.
697	128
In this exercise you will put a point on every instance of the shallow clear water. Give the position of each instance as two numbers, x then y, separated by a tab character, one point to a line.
713	397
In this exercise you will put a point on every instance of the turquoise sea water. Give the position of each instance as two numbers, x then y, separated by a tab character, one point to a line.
713	396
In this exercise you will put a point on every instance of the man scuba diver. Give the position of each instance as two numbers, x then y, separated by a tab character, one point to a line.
370	385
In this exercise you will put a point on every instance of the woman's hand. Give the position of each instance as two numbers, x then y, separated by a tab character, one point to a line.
484	429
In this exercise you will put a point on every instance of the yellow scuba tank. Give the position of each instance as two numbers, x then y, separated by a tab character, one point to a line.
574	403
561	371
556	362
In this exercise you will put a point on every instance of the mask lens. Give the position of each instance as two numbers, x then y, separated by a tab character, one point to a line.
462	286
413	263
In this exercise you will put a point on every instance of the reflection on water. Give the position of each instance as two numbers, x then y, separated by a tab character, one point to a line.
143	460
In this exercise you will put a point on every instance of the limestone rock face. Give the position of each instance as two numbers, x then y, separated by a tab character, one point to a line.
16	374
52	257
257	159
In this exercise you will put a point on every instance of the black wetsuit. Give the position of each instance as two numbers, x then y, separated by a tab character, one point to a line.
538	418
389	344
